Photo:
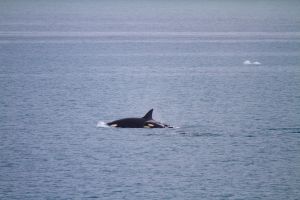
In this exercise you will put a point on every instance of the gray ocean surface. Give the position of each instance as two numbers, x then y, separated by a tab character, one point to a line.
66	66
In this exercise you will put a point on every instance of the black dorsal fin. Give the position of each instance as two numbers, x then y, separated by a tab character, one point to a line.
148	116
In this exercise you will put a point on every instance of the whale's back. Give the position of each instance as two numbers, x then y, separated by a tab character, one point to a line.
128	123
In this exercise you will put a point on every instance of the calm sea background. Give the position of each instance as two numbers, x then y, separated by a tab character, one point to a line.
66	65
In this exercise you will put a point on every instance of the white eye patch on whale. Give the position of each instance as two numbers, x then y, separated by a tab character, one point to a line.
144	122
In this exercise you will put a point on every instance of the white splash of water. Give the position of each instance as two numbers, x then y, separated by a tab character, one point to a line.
102	124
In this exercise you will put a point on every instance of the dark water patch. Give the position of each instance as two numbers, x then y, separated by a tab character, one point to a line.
197	134
7	165
249	136
152	134
93	197
206	134
178	132
285	130
181	132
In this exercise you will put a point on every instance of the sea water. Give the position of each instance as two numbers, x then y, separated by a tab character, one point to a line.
68	66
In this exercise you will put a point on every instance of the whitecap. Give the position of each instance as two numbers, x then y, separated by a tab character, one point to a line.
256	63
247	62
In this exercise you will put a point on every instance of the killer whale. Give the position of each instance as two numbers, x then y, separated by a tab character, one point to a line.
144	122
